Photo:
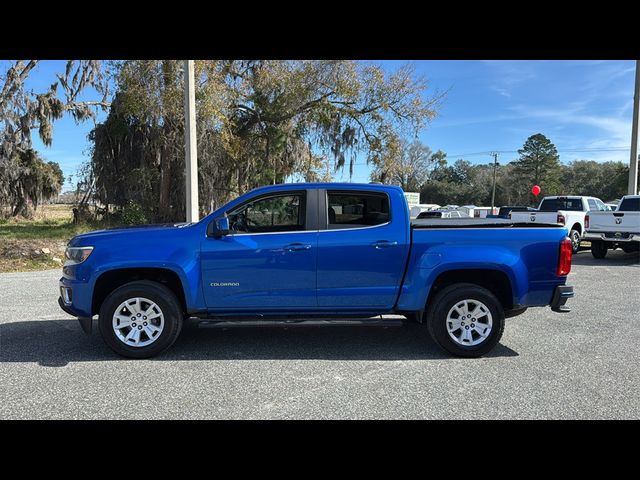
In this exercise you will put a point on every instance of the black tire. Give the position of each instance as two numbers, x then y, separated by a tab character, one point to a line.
445	300
164	298
598	249
574	236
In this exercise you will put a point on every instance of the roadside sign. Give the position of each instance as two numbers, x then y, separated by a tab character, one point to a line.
413	198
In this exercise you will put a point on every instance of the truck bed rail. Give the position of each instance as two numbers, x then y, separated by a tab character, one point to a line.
477	223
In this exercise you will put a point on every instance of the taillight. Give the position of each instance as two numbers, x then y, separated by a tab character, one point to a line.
564	259
586	221
560	219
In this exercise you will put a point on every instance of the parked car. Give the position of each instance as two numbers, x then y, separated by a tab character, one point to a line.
565	210
441	214
506	210
346	253
618	229
423	207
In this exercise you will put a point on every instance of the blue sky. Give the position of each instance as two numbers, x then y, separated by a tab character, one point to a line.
490	106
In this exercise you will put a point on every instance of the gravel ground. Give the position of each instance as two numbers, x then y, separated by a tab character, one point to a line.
580	365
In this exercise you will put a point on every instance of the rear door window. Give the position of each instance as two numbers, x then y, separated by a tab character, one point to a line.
356	209
601	206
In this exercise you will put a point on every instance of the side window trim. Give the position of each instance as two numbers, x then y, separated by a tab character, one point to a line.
324	205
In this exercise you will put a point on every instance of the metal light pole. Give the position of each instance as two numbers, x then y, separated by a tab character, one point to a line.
633	161
191	147
493	190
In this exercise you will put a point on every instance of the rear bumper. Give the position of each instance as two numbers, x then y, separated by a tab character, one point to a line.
611	237
561	294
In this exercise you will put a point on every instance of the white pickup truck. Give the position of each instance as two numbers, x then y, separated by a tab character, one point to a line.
565	210
617	229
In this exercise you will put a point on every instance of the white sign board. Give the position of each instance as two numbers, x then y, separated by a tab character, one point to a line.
413	198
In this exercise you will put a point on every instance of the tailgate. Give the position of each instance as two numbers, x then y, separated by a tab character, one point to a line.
614	221
534	217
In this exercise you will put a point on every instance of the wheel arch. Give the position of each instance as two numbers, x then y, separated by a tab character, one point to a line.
496	281
112	279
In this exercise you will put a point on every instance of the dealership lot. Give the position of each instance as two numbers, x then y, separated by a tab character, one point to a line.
583	364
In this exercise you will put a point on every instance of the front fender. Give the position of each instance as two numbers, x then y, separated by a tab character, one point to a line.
189	278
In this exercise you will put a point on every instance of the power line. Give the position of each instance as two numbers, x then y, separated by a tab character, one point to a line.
491	152
568	150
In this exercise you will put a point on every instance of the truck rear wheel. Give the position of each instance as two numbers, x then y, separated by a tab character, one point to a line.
598	249
466	320
140	319
575	237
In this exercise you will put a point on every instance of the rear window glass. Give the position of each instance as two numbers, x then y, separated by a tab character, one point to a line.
630	205
507	210
555	204
429	215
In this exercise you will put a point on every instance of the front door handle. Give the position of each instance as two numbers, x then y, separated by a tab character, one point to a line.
385	244
294	247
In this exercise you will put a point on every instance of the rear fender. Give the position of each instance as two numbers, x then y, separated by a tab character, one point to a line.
436	261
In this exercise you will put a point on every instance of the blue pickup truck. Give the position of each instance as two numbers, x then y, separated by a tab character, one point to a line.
314	254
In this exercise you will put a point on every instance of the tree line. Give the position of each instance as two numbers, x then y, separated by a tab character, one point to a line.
418	169
258	122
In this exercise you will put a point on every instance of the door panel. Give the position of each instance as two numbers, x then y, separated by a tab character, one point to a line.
360	266
269	259
273	270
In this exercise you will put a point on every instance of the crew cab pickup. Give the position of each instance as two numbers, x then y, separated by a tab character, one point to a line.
314	254
618	229
564	210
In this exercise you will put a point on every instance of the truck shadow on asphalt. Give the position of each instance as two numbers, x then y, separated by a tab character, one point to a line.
613	258
55	343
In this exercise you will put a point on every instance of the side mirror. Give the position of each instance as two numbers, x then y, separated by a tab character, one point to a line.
219	227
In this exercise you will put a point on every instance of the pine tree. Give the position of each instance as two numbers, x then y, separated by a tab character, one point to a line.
539	164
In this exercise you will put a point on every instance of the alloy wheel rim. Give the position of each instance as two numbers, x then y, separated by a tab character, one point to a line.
469	322
138	322
575	240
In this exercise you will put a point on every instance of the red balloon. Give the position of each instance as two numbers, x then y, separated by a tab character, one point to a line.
536	190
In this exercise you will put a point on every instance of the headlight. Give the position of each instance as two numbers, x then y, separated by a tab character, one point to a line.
75	255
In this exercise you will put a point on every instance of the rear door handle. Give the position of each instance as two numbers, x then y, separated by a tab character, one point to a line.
385	244
294	247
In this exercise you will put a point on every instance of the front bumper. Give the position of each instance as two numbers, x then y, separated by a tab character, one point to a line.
85	322
75	301
561	294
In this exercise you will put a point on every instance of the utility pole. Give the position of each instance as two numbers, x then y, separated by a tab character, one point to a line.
191	146
633	161
493	190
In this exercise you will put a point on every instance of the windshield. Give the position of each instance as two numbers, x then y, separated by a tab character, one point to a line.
555	204
630	205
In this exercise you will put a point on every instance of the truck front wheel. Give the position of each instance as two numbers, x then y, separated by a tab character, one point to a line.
598	249
466	320
140	319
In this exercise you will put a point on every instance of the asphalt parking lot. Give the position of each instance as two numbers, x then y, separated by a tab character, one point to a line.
580	365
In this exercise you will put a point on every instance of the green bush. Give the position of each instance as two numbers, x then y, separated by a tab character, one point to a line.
132	214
